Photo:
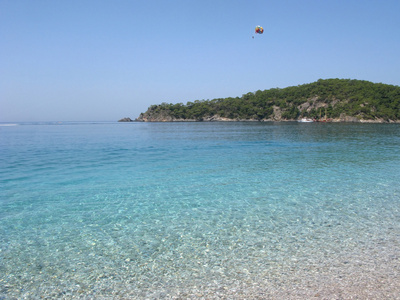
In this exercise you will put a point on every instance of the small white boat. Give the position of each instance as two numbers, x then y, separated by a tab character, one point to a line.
305	120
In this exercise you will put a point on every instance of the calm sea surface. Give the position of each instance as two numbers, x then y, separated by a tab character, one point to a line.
191	210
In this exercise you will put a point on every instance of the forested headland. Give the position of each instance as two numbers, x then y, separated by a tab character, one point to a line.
336	100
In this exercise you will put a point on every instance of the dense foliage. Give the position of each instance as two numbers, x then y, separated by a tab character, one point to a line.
330	98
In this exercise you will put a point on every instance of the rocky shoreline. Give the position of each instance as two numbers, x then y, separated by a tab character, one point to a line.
342	119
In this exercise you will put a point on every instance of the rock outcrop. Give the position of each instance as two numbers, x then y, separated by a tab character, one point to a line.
125	120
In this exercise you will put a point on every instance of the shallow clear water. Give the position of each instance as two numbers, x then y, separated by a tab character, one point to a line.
141	210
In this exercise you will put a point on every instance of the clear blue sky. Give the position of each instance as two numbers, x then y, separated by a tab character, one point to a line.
104	60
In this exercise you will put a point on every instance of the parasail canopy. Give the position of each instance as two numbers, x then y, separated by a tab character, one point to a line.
259	29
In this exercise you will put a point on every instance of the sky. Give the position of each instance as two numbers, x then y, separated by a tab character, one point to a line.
95	60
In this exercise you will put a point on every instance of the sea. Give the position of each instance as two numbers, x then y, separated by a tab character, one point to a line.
199	210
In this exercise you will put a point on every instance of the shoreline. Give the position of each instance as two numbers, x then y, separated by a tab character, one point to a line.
260	121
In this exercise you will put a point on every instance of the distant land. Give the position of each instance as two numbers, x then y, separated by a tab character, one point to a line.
328	100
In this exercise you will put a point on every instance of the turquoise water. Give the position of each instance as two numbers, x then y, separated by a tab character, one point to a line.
192	210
